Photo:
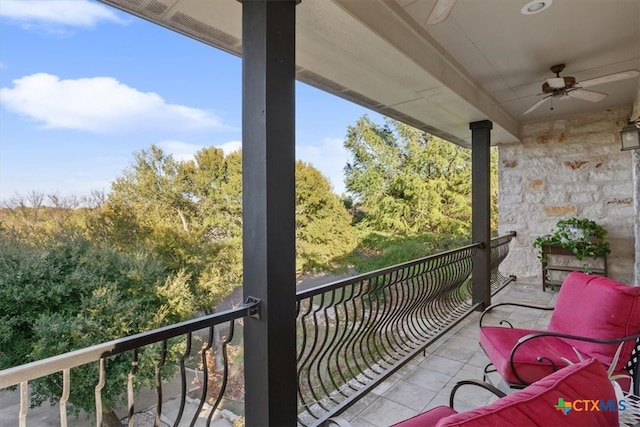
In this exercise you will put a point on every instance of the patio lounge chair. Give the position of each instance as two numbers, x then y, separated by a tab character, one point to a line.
556	400
593	316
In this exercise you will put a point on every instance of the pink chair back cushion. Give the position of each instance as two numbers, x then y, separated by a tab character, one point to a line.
536	404
597	307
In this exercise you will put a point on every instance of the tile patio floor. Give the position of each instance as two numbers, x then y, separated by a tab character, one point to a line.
426	381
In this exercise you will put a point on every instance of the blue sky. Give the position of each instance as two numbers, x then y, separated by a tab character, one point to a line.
84	86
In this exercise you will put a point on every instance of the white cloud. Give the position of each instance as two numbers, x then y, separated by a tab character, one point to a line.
330	158
54	15
230	147
99	105
183	151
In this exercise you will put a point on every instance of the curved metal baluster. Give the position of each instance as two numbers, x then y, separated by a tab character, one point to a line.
317	344
367	330
24	403
392	328
434	310
301	348
159	365
375	342
420	293
343	354
98	390
341	331
402	324
130	396
405	326
348	348
428	288
205	378
225	373
66	385
402	320
320	360
183	379
383	343
305	353
329	345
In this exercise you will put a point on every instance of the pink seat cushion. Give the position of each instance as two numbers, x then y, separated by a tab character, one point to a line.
536	404
427	419
597	307
498	341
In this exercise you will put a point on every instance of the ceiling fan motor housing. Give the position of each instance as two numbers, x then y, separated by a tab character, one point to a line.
569	82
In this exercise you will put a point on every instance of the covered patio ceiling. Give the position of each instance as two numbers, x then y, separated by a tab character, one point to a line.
486	61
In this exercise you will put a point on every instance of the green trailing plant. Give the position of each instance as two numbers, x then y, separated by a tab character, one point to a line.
583	237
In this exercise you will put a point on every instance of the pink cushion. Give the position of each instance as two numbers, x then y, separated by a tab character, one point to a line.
427	419
535	405
498	341
597	307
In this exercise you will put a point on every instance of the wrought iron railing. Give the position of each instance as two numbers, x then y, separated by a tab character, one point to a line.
499	251
354	333
153	344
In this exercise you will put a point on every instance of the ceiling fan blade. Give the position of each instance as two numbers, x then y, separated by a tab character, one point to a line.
537	104
587	95
440	11
610	78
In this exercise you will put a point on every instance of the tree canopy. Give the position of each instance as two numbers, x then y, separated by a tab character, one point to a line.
323	224
66	293
186	213
407	180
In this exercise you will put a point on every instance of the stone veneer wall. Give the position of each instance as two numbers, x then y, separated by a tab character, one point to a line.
563	168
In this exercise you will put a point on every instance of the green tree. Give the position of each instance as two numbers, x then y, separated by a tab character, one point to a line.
37	215
408	181
65	293
188	214
323	224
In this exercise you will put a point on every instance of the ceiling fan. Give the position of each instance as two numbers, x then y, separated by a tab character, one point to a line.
567	87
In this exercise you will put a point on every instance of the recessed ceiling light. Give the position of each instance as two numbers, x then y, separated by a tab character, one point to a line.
535	6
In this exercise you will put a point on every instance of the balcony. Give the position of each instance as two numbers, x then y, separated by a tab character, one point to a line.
363	345
360	342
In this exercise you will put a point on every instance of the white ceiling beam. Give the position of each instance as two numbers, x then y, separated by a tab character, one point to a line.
390	21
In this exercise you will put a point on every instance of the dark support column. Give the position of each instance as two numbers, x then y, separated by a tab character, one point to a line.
268	167
481	209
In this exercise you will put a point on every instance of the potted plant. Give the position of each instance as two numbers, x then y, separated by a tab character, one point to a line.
583	237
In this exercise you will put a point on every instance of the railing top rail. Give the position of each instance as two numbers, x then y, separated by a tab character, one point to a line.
50	365
505	238
355	279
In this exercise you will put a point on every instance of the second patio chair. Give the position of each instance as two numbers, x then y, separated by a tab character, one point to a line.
593	316
548	402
